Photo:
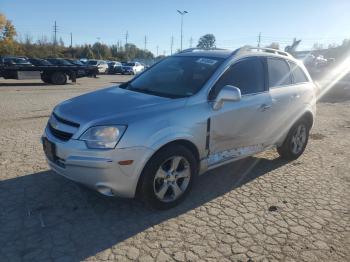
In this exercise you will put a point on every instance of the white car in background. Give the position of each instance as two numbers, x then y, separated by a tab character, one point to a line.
132	68
102	66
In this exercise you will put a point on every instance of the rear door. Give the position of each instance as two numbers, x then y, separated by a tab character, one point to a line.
285	97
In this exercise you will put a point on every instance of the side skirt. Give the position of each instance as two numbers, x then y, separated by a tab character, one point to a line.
228	156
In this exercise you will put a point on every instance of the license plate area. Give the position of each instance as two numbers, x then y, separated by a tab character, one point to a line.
49	149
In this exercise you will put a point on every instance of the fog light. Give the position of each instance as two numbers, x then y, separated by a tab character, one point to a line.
104	190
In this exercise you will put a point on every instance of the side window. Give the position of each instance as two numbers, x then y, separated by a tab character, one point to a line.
279	72
298	74
247	75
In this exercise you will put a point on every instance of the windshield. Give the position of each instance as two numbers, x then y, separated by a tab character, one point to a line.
175	77
92	62
129	64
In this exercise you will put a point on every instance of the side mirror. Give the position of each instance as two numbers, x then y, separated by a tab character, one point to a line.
227	93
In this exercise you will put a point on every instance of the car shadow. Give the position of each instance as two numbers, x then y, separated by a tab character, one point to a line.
46	215
24	84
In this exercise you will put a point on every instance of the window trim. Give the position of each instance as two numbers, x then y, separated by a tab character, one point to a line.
268	75
233	64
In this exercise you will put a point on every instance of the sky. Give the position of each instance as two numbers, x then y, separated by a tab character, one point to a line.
234	23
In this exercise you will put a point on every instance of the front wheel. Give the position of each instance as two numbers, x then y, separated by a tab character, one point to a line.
168	177
296	141
59	78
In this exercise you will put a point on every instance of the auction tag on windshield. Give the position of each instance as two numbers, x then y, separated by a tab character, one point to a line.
206	61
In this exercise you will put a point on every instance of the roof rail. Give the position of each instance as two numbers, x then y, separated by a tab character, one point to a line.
189	50
261	49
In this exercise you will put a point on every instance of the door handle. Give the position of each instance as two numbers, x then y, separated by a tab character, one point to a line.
264	107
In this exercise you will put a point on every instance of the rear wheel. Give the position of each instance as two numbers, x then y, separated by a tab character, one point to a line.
296	141
59	78
168	177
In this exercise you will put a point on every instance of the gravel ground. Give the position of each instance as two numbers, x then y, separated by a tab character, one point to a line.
259	209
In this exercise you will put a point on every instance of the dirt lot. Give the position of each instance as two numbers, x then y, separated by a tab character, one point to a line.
278	210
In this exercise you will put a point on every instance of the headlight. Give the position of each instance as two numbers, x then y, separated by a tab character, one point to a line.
103	137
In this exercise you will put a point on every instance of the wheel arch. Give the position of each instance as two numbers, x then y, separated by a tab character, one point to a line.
183	142
308	117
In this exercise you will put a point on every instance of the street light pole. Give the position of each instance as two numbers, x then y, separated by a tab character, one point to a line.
182	13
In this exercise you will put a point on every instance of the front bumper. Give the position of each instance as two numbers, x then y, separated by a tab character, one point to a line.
99	169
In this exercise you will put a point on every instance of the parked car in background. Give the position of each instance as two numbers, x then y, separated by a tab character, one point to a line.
13	61
59	62
132	68
114	67
39	62
102	66
85	69
191	112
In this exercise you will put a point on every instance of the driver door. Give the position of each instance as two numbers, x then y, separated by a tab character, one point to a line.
240	128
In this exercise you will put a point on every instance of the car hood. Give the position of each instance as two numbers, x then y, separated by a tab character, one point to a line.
107	104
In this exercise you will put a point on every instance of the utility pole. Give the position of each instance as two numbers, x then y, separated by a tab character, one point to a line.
191	41
259	39
71	40
182	13
145	42
157	50
171	44
55	29
126	37
71	45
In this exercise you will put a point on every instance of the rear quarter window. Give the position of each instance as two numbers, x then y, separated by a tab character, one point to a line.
279	72
298	74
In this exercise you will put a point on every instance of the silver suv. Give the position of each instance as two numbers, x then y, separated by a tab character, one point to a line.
189	113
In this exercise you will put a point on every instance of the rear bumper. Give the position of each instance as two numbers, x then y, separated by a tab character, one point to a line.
99	169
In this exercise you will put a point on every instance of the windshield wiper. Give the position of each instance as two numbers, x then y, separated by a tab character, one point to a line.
153	92
128	86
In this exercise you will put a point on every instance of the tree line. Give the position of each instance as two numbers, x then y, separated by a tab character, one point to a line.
43	48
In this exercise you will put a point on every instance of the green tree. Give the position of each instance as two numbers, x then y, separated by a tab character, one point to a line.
206	41
101	51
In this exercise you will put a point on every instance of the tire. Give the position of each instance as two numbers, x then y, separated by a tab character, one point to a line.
162	188
296	141
46	79
59	78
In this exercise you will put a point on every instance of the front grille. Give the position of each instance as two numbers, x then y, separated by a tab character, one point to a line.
57	123
60	134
